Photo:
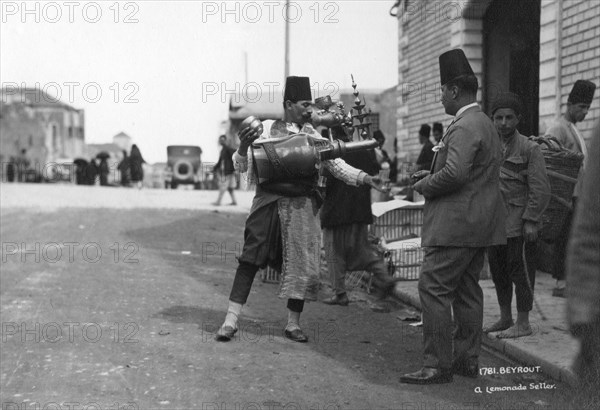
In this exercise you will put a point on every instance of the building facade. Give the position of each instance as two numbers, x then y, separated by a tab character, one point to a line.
535	48
47	129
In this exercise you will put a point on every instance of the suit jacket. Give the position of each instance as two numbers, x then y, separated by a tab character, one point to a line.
463	203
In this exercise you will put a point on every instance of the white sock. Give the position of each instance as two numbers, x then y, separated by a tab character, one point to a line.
293	321
233	312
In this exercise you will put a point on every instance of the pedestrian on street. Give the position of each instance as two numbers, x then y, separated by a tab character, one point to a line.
463	214
125	170
136	166
583	278
565	130
283	229
91	172
345	217
22	164
426	156
104	170
224	170
526	192
11	169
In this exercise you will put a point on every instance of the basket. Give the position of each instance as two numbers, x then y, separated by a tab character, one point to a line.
562	168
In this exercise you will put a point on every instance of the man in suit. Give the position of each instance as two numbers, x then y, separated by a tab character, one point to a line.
464	213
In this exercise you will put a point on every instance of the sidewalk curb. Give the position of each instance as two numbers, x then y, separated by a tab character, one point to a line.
507	349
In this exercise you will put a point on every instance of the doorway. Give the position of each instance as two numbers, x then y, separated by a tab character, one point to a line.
511	55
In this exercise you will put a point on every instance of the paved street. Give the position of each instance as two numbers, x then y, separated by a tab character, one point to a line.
110	297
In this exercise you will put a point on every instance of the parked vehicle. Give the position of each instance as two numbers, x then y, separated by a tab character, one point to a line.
183	166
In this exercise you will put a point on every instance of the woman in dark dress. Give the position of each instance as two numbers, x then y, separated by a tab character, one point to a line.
92	172
124	168
135	166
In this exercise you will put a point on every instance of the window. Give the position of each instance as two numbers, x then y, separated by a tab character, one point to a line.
373	118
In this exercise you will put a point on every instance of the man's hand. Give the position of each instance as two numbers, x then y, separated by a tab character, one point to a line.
247	137
419	175
416	179
377	183
530	231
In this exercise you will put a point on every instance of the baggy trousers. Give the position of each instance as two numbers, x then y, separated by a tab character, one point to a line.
347	248
449	283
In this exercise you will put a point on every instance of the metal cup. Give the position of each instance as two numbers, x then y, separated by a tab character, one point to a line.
252	122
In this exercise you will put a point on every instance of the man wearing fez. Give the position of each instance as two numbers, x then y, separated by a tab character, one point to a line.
283	229
526	191
565	130
463	215
426	155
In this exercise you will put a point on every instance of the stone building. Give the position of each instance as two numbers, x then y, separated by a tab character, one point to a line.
535	48
123	141
48	129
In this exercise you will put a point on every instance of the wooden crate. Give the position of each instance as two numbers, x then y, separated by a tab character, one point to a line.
401	221
406	258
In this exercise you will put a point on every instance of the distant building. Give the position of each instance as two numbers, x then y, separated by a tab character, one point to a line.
123	141
48	129
535	48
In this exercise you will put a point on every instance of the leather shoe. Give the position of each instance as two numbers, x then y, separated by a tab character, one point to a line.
297	335
341	299
225	334
428	375
466	369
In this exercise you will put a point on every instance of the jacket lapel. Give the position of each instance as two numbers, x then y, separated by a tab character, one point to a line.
454	121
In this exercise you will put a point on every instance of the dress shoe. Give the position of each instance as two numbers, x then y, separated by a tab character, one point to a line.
466	369
428	375
297	335
341	299
225	334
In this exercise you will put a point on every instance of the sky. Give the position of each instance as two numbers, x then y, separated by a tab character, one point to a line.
163	71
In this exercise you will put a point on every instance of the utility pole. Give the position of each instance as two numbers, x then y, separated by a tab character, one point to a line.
287	39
